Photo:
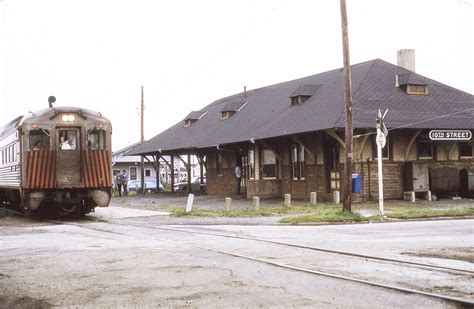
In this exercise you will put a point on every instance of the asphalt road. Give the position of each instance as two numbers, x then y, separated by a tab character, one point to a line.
127	258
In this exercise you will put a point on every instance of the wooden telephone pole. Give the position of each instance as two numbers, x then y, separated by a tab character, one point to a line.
349	140
142	139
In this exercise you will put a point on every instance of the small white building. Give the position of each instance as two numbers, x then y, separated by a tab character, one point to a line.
131	165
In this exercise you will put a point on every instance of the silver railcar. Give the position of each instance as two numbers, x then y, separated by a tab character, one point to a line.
56	159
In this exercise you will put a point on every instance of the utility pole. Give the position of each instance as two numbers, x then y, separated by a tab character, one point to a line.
349	140
142	139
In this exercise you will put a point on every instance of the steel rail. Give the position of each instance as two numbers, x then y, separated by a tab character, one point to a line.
457	300
435	267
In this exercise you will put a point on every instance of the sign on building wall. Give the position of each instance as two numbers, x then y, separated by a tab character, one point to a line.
450	135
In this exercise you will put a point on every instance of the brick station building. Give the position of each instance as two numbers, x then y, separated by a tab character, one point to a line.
289	137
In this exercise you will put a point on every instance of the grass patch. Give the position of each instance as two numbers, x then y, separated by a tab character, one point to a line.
245	212
333	215
432	213
307	213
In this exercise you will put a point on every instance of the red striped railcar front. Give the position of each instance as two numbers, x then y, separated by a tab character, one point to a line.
96	169
41	169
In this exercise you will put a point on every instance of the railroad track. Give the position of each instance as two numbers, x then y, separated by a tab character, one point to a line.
274	261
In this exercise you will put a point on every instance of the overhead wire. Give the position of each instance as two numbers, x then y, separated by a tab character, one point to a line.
417	122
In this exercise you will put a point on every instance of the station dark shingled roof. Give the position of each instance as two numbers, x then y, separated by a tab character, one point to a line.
410	78
195	115
305	90
268	112
233	105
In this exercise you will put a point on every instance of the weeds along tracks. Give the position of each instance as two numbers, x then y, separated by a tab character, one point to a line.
274	262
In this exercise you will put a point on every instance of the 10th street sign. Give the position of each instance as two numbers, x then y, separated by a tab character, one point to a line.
450	135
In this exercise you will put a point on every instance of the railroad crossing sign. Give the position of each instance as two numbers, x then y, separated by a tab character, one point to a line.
382	133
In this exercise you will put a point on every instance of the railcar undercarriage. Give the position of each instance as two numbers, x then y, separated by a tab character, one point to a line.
64	203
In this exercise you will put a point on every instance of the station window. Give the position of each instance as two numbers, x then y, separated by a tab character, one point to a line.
147	173
96	139
39	139
465	149
417	89
425	146
297	162
268	164
133	173
251	164
219	165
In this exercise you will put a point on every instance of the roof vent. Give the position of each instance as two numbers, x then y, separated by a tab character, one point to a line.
193	117
303	93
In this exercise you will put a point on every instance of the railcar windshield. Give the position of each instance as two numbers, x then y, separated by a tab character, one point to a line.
67	140
96	139
39	139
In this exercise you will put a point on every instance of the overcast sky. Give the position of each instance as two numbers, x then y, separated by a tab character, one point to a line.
187	54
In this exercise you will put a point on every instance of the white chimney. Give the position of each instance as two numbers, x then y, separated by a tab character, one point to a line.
406	59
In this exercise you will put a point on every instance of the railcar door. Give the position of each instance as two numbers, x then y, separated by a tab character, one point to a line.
68	164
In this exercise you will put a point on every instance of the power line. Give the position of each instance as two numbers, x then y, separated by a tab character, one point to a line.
414	123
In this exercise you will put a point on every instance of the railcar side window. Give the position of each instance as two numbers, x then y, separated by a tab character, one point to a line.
39	139
96	139
67	140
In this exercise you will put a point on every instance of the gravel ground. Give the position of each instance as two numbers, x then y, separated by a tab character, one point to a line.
83	264
95	264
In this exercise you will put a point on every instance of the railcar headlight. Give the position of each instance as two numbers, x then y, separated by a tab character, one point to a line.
68	118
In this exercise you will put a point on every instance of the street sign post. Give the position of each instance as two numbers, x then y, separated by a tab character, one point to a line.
381	140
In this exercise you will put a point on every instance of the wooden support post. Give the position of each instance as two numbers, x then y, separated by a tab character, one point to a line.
172	173
157	170
188	169
201	172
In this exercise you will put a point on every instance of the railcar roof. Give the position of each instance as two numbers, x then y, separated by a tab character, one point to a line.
49	112
53	111
10	127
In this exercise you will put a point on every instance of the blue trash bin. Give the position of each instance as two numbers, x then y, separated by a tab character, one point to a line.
356	183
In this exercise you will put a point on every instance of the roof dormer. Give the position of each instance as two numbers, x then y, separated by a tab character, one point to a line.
231	108
303	93
411	84
193	117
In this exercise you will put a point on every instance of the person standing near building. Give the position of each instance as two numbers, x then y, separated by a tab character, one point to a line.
125	183
238	175
119	183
